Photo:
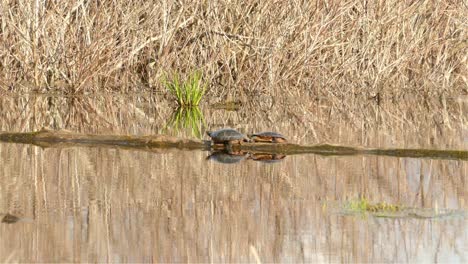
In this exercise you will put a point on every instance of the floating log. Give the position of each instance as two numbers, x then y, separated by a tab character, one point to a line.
59	138
49	138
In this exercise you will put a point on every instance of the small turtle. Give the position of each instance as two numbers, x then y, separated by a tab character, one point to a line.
227	136
226	157
271	137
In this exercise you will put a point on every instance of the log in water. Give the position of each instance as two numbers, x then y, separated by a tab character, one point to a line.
49	138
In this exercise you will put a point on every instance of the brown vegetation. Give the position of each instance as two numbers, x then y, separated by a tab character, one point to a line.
307	48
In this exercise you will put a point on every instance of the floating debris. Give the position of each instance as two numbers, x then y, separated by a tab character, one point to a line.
10	219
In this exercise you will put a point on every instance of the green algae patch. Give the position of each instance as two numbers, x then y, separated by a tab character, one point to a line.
362	207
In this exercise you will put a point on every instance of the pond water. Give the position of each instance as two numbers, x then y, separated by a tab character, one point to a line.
109	204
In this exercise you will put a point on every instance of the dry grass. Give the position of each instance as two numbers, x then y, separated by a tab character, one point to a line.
300	48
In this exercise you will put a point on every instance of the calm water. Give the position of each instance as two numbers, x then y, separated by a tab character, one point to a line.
110	204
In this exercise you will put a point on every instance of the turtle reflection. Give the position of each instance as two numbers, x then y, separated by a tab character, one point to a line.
230	157
267	157
227	157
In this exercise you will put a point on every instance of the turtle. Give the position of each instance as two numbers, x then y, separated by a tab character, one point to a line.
227	136
226	157
271	137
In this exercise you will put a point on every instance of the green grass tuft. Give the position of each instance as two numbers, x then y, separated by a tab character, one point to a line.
188	92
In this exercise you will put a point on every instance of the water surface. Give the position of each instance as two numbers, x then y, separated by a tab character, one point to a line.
102	204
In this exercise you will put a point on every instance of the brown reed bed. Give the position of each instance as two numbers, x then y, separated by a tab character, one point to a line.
335	49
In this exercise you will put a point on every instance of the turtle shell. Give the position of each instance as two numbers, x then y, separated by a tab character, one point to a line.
268	137
226	135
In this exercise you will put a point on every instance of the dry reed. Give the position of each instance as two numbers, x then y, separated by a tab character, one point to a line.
336	49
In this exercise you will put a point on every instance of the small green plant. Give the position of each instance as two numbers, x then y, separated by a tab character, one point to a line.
188	92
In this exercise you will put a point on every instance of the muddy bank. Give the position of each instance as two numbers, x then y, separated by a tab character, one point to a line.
49	138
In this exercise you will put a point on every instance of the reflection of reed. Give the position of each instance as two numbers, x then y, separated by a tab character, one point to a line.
399	124
190	118
93	204
96	113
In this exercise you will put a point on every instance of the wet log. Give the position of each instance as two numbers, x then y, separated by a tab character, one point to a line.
61	138
49	138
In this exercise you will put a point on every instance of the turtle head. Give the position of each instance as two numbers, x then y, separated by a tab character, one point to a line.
209	133
252	137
